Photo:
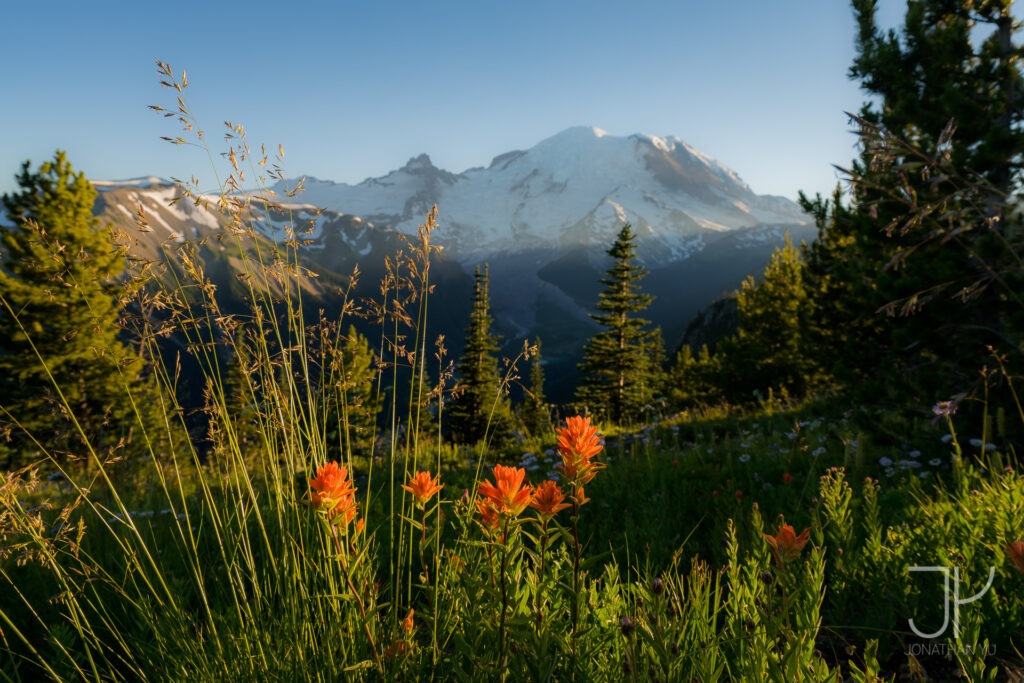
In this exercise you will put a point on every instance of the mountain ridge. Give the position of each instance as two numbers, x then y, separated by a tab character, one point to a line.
542	218
574	187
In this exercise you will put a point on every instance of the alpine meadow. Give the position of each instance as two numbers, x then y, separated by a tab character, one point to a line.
597	411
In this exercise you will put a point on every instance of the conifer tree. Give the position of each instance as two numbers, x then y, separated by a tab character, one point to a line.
615	363
357	396
479	411
768	350
535	412
655	377
57	281
693	381
952	60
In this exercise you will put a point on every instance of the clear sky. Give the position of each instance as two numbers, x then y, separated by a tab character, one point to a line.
354	89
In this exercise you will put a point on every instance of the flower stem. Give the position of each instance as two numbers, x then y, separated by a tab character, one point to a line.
423	544
504	602
540	577
575	572
359	599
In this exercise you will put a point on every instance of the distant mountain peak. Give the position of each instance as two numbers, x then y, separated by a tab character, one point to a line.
140	183
418	164
575	187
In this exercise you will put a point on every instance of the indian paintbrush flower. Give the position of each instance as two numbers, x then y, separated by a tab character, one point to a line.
488	514
507	495
577	444
333	492
786	545
547	500
422	487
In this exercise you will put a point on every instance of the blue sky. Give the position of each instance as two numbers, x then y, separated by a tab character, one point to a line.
354	89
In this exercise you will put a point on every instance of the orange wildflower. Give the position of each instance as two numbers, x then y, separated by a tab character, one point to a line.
507	494
423	487
407	623
580	497
786	545
578	443
488	515
786	477
333	491
1015	551
547	500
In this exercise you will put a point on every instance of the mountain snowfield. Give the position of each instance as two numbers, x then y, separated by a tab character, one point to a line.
573	189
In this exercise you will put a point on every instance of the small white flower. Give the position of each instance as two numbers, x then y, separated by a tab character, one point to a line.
885	462
914	454
767	486
924	475
792	435
744	458
935	462
744	445
890	472
909	464
976	443
820	450
990	447
946	438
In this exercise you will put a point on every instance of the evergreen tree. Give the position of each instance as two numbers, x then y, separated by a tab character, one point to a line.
57	279
656	376
768	350
953	59
479	411
692	381
535	412
358	401
615	385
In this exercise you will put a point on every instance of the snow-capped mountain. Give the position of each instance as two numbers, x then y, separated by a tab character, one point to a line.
541	218
573	189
